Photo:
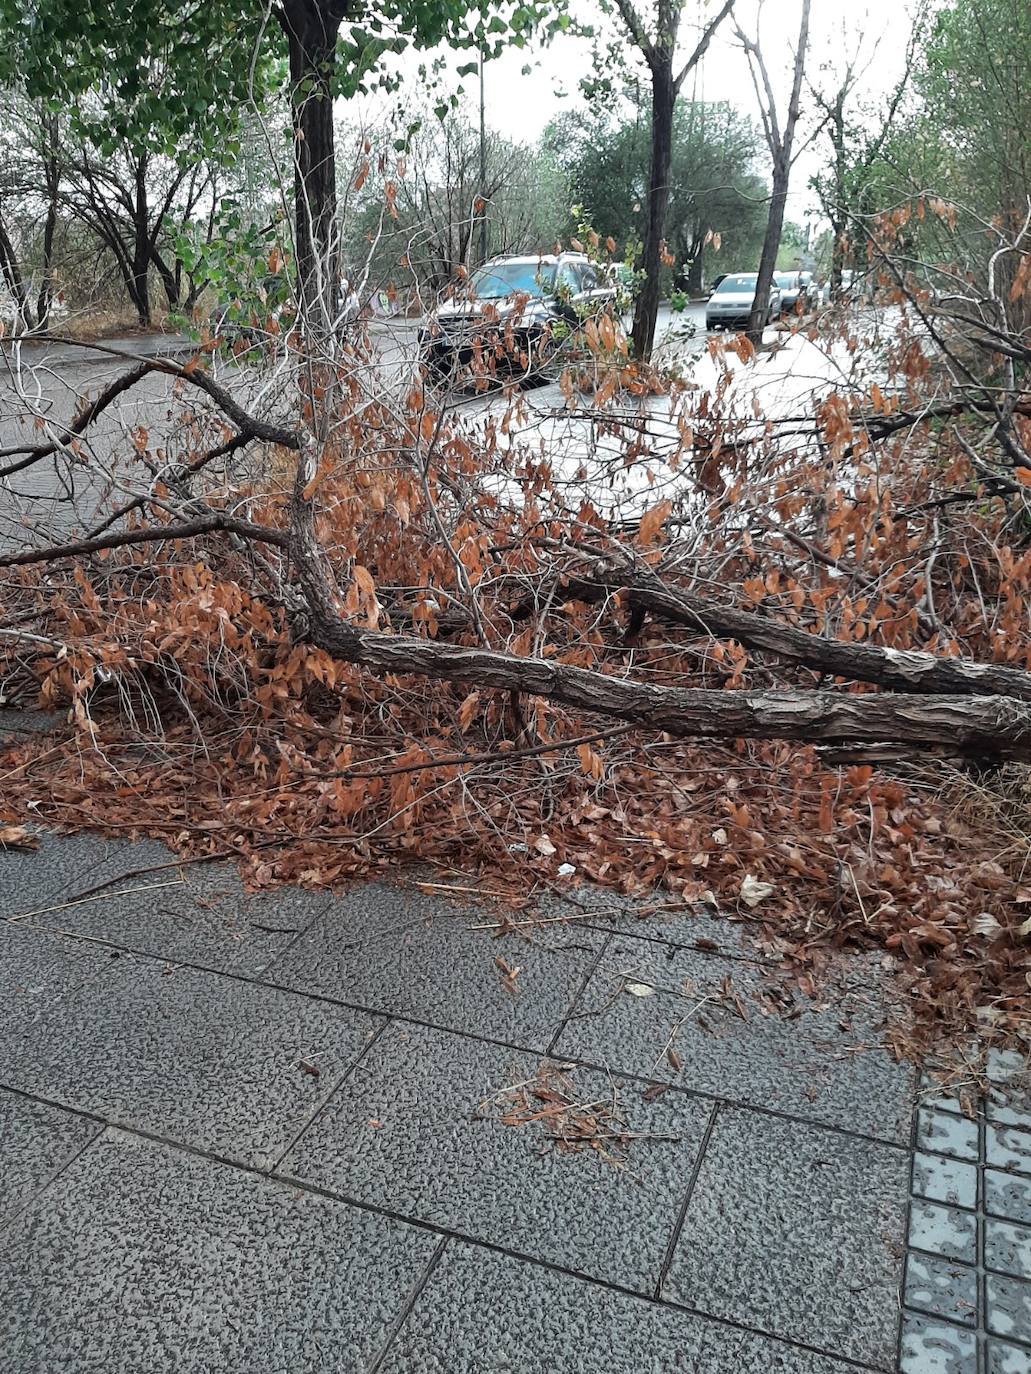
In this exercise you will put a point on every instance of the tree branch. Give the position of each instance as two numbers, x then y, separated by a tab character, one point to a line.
210	524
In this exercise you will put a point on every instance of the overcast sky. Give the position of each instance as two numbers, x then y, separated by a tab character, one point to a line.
520	106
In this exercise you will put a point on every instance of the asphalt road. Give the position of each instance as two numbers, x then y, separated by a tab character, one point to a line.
42	386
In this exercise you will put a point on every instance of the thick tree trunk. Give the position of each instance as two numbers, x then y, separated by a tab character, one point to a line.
987	727
663	98
140	290
982	727
311	28
768	260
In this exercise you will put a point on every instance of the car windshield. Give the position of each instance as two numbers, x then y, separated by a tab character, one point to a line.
730	286
784	279
495	280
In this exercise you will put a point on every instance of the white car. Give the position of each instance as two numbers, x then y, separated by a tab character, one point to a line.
730	305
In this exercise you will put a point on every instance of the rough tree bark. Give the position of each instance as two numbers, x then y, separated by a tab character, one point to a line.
901	670
982	727
311	28
10	271
52	182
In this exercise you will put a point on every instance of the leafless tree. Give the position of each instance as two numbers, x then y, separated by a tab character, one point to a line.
780	139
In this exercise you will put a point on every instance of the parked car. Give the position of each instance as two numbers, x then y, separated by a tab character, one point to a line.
797	294
730	305
512	305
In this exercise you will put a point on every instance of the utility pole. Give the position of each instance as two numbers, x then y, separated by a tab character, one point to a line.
483	169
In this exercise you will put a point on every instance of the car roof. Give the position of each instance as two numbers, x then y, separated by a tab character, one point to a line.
530	258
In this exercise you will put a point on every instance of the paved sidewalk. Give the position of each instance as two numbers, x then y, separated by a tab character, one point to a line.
309	1131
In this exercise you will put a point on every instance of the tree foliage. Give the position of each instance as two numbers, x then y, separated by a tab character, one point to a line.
716	192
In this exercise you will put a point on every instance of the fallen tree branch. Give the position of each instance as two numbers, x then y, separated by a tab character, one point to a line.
248	425
901	670
210	524
987	726
978	726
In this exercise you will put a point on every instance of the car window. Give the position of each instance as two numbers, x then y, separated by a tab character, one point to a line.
589	280
569	277
786	279
735	285
498	279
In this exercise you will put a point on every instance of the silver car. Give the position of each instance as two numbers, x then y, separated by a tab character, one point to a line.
797	294
730	305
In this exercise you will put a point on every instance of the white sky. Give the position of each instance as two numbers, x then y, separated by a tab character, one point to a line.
520	107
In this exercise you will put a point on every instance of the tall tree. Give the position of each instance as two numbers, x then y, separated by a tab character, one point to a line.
657	43
714	188
178	81
780	140
856	132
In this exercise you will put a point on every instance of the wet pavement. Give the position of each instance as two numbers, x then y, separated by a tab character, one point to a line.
310	1130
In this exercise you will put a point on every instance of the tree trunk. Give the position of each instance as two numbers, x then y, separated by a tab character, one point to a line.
768	261
663	98
170	280
140	290
989	727
10	271
839	213
781	146
311	28
52	176
901	670
983	727
694	274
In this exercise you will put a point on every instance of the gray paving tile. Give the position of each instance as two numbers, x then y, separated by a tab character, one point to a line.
691	925
1007	1359
1009	1091
41	976
944	1180
806	1065
482	1311
799	1231
36	1142
933	1094
1008	1147
201	914
32	879
1009	1307
403	1132
946	1133
941	1288
1007	1195
144	1258
400	951
201	1059
935	1347
1008	1249
943	1231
